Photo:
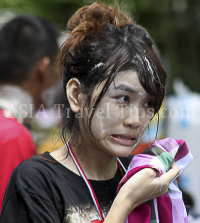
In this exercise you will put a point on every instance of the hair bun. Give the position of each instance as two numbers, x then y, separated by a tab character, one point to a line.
98	14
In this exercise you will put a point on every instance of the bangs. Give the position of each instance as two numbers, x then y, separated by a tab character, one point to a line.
152	75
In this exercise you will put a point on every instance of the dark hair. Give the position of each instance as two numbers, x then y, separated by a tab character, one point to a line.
24	40
104	41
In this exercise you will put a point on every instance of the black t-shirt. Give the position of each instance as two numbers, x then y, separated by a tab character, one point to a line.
43	190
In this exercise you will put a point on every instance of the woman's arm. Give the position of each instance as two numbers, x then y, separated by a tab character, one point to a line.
141	187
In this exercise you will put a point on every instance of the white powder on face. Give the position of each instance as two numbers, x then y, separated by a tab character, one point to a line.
141	93
103	130
141	134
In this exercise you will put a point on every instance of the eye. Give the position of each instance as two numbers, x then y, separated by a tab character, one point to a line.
123	99
150	104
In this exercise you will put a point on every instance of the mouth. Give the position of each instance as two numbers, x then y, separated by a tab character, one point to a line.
124	139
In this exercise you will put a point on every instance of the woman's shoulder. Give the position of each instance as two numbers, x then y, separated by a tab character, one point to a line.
31	169
30	176
41	169
38	160
34	182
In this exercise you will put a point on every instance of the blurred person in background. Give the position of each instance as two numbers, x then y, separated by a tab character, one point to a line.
28	49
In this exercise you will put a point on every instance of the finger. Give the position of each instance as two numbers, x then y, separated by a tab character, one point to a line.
170	175
174	171
149	172
174	166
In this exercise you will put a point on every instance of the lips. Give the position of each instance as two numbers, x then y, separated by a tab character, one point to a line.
124	139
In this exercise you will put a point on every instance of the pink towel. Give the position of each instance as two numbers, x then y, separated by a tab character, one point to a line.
168	208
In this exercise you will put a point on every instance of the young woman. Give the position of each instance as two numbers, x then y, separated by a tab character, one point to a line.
114	83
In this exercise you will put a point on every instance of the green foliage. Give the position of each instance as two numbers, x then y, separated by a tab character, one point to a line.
174	24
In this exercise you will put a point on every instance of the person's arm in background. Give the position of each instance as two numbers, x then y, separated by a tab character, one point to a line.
15	146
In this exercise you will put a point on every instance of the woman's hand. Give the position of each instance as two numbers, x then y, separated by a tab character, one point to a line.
141	187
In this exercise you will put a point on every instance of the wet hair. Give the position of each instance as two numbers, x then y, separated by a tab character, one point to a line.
24	40
104	41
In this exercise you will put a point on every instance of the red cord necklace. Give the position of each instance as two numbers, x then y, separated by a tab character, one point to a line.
92	193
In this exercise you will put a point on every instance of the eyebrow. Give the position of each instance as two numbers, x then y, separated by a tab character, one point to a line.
123	87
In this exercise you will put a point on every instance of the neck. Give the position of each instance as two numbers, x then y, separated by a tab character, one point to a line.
96	164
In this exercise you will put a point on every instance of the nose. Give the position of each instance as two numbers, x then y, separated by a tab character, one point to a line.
133	119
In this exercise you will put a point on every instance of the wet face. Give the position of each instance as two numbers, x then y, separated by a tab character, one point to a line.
121	117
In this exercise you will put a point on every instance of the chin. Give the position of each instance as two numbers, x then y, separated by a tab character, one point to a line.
123	151
124	154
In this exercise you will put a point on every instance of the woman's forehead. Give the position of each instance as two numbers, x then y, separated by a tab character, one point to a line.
127	76
127	80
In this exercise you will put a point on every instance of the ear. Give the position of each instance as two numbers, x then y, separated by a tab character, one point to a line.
74	95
